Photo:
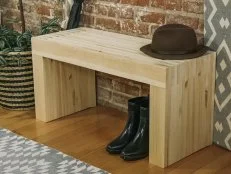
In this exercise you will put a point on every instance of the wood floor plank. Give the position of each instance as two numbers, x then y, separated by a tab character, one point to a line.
84	135
225	170
198	160
216	165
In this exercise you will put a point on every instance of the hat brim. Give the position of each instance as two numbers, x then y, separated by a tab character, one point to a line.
201	50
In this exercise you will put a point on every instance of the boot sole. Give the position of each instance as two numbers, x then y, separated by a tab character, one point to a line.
115	152
134	158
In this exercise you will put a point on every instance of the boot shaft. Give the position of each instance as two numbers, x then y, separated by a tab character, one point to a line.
144	110
134	103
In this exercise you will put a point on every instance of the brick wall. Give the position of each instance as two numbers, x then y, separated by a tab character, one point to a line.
36	12
141	17
138	18
133	17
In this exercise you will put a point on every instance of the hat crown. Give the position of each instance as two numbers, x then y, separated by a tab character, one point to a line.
174	39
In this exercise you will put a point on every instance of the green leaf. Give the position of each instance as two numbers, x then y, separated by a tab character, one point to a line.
51	26
6	50
11	40
2	45
3	61
17	49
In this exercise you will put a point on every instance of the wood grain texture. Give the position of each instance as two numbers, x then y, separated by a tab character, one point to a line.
61	89
103	51
158	127
191	105
39	86
69	135
181	92
181	117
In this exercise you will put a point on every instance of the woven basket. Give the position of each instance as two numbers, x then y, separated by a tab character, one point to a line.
16	82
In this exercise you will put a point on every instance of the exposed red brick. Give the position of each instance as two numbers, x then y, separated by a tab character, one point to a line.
105	82
201	26
173	4
121	99
11	14
89	8
121	12
113	11
127	88
43	10
101	10
28	8
87	20
113	1
145	90
102	102
111	24
103	93
190	21
58	12
8	4
167	4
193	7
104	75
126	12
129	26
152	17
136	2
158	3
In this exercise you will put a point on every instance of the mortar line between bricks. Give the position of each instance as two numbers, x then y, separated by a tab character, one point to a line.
154	9
117	92
121	106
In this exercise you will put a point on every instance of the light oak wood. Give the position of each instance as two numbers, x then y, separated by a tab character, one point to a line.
158	127
181	117
190	107
61	89
181	91
85	134
107	52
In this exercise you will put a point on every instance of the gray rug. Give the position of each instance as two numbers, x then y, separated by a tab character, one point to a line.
21	155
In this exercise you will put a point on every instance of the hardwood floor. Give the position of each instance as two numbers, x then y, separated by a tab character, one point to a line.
84	135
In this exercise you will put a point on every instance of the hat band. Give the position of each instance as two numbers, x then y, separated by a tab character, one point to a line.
173	52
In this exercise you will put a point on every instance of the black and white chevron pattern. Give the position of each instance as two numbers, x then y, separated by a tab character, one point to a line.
218	37
19	155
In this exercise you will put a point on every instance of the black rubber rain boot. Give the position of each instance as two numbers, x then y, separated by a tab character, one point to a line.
129	132
138	148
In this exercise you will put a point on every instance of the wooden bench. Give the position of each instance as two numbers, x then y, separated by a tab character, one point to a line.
181	92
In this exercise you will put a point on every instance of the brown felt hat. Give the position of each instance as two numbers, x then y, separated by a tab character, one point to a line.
174	42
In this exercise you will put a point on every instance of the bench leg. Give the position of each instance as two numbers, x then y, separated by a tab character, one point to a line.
158	127
181	115
61	89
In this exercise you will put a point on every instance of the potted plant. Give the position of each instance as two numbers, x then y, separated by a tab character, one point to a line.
16	73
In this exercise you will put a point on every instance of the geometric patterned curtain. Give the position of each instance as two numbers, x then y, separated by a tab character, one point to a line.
218	38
